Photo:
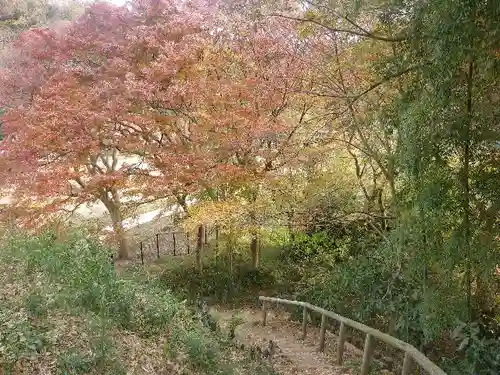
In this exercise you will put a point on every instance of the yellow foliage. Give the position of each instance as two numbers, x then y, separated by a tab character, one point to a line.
229	213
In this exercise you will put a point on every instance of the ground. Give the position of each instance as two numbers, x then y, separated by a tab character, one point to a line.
293	355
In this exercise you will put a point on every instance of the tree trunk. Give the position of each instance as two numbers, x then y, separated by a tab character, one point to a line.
217	237
113	206
291	232
231	255
254	244
465	175
121	240
181	201
199	248
254	249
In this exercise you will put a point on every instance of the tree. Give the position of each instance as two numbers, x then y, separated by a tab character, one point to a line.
432	133
78	113
17	16
242	121
410	91
139	81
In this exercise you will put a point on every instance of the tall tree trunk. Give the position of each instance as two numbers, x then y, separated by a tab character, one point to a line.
465	172
231	252
466	189
182	201
199	248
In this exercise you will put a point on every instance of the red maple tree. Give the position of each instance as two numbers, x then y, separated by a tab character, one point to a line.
150	80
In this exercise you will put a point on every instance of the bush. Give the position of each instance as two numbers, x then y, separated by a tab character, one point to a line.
216	282
318	249
360	289
480	341
373	290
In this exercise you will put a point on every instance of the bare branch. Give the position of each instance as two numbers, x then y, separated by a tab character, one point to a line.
9	17
363	34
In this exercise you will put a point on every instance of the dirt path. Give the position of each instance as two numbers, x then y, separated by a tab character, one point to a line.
292	355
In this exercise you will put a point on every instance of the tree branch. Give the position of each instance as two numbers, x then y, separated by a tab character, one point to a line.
9	17
363	34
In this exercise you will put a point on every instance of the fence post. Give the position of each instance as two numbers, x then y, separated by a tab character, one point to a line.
407	364
340	347
158	245
304	323
367	354
264	313
205	230
142	255
187	242
322	333
173	237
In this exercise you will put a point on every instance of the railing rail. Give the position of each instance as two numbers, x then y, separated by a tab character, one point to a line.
411	353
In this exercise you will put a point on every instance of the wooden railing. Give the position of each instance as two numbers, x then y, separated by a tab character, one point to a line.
411	353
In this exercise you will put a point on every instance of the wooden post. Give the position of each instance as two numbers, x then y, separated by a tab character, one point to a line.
254	250
142	255
158	245
340	347
173	238
304	323
322	333
407	364
188	243
205	230
367	355
264	313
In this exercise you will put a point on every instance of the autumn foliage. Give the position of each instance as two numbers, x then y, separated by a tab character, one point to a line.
147	100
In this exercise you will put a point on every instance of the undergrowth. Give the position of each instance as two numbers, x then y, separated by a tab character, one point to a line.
65	311
350	276
218	282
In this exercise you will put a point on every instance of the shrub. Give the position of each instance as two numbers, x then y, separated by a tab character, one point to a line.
216	282
480	341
